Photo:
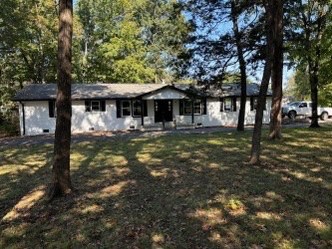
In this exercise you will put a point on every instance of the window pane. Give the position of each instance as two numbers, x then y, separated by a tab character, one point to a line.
126	112
125	108
137	108
228	104
95	105
197	107
187	107
125	104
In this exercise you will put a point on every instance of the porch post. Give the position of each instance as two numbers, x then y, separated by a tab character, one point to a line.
142	112
192	111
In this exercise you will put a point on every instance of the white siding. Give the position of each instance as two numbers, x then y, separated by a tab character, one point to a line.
105	121
37	117
166	94
215	117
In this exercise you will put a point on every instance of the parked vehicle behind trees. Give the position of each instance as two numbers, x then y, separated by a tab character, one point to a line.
303	108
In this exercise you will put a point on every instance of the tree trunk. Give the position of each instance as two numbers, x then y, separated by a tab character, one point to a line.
314	69
61	182
314	96
242	63
277	74
257	133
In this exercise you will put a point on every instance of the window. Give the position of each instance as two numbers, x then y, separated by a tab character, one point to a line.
303	105
137	108
125	108
229	104
199	107
254	102
95	105
187	107
51	109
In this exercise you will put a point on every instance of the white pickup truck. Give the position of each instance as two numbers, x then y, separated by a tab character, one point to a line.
303	108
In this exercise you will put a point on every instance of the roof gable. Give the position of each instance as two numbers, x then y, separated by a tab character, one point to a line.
166	92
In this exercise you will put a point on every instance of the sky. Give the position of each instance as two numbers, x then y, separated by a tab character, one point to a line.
288	73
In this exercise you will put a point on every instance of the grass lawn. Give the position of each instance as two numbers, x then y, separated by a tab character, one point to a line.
174	191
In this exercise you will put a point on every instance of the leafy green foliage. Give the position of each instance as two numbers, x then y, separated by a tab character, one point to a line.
299	88
130	41
310	45
28	35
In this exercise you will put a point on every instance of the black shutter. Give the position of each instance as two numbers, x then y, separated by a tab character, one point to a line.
103	105
88	106
221	104
251	103
181	107
51	108
204	106
118	109
145	106
234	104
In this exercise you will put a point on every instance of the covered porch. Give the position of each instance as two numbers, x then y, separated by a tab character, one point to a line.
172	108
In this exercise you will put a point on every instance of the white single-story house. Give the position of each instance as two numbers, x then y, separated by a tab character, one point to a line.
112	107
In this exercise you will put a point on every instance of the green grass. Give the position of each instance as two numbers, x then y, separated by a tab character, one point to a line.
174	191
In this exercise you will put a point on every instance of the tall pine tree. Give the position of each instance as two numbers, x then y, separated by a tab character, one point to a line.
61	181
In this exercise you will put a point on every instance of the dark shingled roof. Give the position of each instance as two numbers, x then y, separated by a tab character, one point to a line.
235	90
117	91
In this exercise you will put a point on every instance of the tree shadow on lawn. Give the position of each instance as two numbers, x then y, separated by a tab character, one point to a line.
180	192
21	170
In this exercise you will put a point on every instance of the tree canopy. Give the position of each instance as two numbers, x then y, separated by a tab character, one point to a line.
131	41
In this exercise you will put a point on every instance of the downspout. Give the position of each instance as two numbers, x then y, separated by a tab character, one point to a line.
23	118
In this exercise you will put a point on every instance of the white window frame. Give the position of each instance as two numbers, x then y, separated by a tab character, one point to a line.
199	107
138	107
187	107
230	102
125	108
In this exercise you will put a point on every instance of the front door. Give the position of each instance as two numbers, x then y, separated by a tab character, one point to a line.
163	111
